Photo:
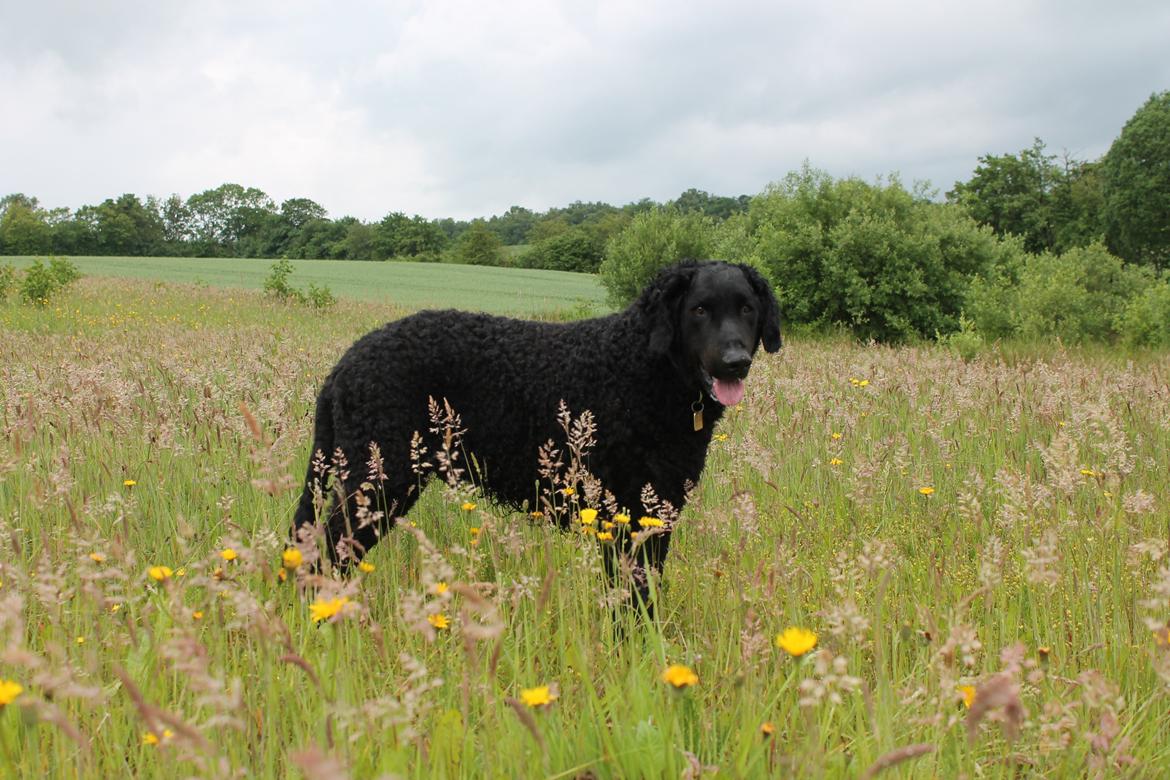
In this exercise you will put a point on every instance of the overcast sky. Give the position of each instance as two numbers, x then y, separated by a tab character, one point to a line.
466	108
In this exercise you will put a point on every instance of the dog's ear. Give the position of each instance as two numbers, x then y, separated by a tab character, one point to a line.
659	304
769	308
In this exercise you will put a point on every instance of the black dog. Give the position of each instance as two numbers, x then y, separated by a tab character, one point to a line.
655	376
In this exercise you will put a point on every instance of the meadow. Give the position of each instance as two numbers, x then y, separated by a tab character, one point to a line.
398	284
981	549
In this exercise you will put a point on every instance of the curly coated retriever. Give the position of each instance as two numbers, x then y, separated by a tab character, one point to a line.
656	377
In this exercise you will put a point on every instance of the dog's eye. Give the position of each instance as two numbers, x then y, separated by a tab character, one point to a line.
747	309
699	311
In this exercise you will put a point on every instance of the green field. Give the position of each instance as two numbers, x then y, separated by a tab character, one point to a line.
994	531
409	285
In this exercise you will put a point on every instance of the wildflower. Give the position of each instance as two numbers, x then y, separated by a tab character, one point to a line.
150	738
1088	473
538	697
721	437
114	608
291	558
796	641
128	483
680	676
1044	652
160	573
650	522
81	640
323	610
568	492
968	694
467	506
836	436
282	575
181	571
926	491
536	515
366	567
440	588
604	536
228	554
439	621
588	516
9	690
621	519
767	729
835	461
608	525
197	614
97	557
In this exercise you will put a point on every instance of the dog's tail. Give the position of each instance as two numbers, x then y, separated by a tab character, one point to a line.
306	512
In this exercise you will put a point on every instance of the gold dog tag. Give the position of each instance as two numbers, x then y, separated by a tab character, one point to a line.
697	411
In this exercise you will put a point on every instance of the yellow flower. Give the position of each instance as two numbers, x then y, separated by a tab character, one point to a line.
588	516
1088	473
836	436
467	506
863	383
366	567
440	588
926	491
721	437
650	522
621	519
680	676
128	483
968	693
540	696
228	554
150	738
767	729
568	491
536	515
81	640
835	461
323	610
9	690
160	573
439	621
604	536
97	557
474	530
291	558
115	607
796	641
197	614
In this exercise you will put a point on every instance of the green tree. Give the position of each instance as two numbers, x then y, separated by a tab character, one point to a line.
653	239
1136	181
573	250
479	246
1012	193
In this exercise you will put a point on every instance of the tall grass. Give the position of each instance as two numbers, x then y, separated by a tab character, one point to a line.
994	531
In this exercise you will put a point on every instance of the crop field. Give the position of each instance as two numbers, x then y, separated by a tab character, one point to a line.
981	551
410	285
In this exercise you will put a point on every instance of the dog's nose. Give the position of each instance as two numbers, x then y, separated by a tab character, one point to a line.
737	362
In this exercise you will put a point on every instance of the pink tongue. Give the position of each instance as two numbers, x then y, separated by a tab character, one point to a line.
729	391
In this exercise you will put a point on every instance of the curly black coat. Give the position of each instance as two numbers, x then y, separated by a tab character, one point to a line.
634	370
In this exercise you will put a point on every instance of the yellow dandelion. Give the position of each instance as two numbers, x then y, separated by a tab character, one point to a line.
291	558
150	738
322	609
621	519
366	567
228	554
836	436
604	536
160	573
568	491
80	640
588	516
863	383
968	694
926	491
9	690
721	437
835	461
467	506
767	729
796	641
282	574
474	530
128	483
541	696
536	515
1088	473
440	588
439	621
97	557
114	608
197	614
650	522
680	676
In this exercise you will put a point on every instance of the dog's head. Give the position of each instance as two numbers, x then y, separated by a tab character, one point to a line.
709	318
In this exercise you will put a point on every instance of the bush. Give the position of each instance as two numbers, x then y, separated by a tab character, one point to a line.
965	342
7	280
887	263
319	297
653	239
1081	295
1146	319
277	286
479	245
41	282
572	250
